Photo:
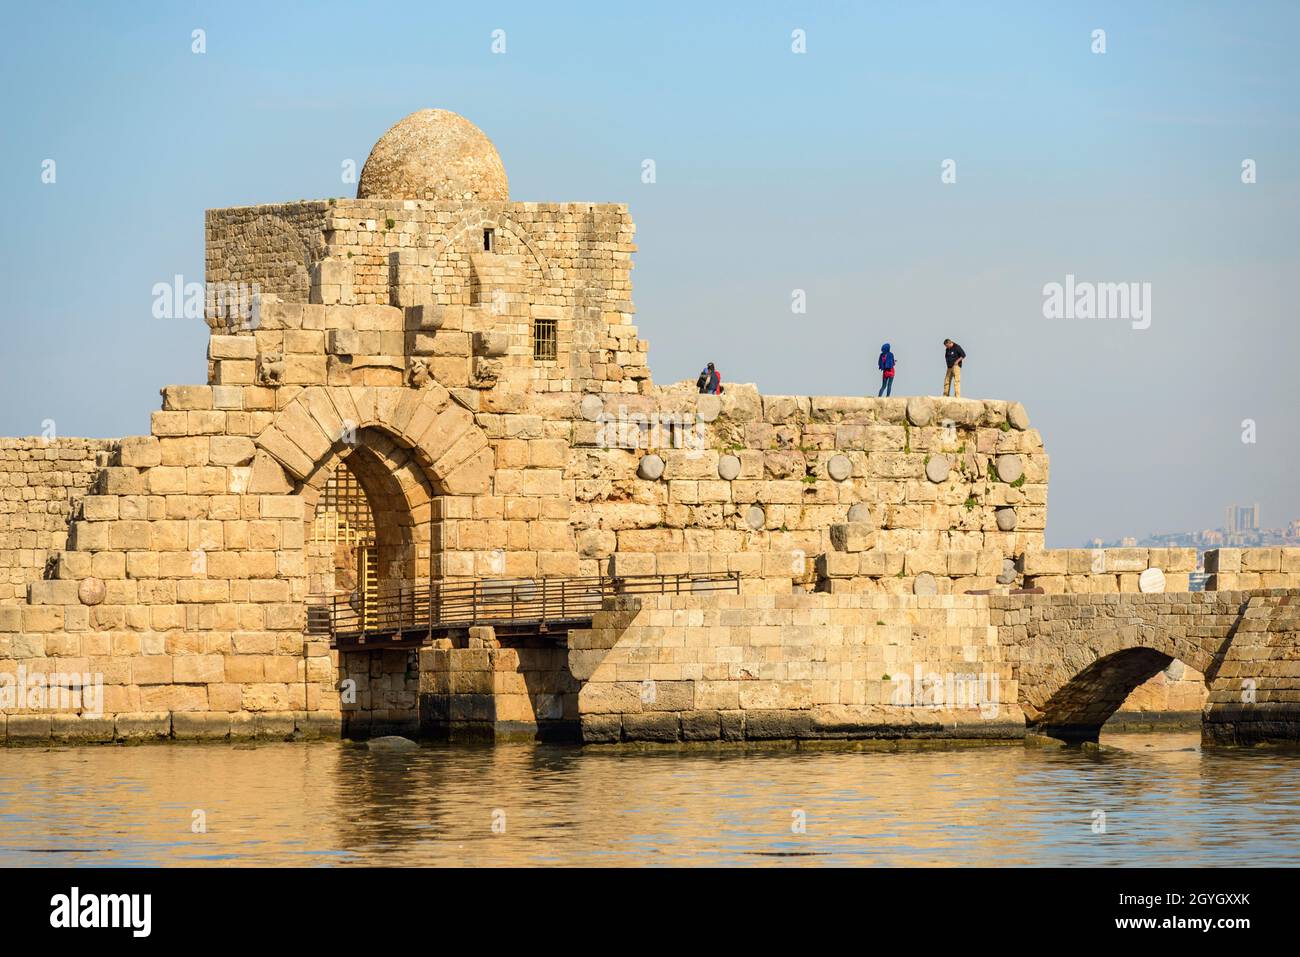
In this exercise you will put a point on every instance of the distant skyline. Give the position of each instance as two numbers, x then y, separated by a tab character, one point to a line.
775	171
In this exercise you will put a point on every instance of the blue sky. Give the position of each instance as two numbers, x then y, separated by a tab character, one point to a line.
775	172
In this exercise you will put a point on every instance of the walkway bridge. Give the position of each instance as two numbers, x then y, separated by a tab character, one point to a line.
405	615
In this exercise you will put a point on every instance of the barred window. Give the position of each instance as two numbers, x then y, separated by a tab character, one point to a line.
544	339
343	514
489	240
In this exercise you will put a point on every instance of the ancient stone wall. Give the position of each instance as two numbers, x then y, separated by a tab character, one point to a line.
838	494
1241	568
41	486
1092	571
794	666
272	247
1255	691
1084	571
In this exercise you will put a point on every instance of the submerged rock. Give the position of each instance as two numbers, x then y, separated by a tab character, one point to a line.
391	742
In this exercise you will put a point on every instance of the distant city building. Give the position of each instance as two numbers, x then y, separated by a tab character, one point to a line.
1242	518
1242	529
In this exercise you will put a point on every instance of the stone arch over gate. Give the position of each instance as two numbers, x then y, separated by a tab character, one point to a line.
411	449
440	432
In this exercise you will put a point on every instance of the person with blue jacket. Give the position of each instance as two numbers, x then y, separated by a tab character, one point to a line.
886	366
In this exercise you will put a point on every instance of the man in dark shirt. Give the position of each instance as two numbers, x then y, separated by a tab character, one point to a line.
953	354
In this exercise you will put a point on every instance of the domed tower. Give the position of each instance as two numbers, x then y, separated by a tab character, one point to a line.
458	284
434	155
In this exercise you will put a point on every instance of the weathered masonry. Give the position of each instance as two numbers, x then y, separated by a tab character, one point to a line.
430	486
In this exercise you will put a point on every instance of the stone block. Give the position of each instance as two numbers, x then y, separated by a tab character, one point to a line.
601	728
52	592
1261	559
29	727
919	561
660	726
622	564
230	450
837	565
492	344
75	727
424	316
136	726
232	347
1041	561
852	536
1223	560
881	564
139	451
183	398
963	563
701	726
777	724
201	726
120	480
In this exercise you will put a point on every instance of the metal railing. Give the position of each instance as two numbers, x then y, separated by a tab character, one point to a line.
404	609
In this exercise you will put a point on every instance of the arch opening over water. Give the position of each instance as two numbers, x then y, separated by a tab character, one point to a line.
1077	711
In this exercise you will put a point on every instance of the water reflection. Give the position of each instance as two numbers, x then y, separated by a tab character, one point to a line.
1164	801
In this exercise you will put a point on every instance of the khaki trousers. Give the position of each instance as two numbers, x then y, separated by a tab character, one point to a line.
952	378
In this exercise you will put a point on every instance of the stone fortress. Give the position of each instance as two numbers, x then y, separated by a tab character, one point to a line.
436	383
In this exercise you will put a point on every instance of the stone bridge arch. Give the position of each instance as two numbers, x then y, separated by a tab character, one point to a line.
1076	658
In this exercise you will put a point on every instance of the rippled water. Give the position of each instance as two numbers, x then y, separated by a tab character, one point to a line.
1165	801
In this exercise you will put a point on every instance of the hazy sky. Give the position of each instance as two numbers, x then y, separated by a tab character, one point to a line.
775	171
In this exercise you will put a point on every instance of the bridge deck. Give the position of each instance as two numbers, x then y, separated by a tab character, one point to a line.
405	615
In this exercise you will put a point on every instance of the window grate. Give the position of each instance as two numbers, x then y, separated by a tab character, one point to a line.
544	339
343	515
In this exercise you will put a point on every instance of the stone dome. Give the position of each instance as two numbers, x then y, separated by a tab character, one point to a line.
434	154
